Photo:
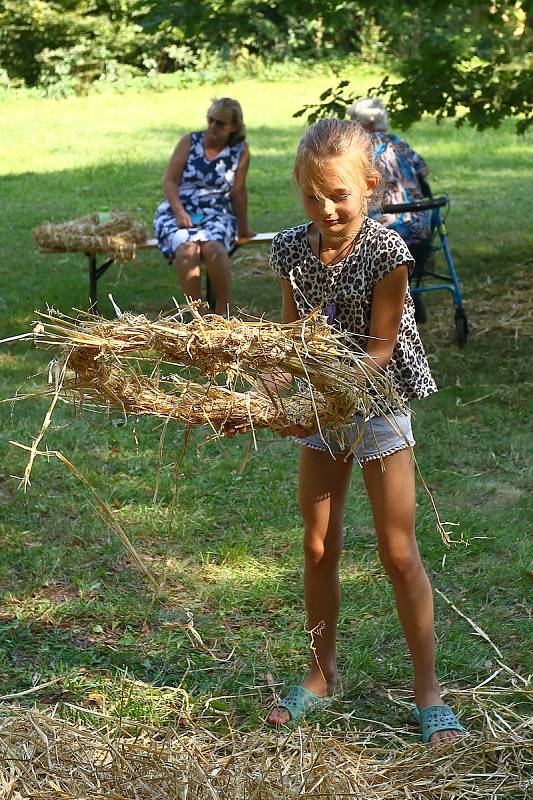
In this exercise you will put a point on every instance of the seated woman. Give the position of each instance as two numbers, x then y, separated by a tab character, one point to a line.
401	169
206	202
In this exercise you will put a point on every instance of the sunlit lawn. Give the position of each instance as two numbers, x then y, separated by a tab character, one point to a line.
226	541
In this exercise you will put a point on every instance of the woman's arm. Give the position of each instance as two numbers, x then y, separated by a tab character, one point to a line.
172	180
421	168
239	196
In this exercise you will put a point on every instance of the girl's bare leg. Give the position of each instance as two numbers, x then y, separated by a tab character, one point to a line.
392	497
218	268
323	487
187	259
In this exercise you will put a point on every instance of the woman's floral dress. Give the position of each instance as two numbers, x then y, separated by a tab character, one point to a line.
205	195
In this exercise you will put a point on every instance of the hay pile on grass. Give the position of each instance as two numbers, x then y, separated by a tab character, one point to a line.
508	307
123	364
44	756
119	237
504	307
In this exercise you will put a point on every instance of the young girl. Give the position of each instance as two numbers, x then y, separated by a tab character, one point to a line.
357	270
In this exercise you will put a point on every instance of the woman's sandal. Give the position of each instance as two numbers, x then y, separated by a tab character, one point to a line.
300	701
435	719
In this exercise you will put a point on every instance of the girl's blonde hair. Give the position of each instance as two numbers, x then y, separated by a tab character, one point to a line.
335	138
233	108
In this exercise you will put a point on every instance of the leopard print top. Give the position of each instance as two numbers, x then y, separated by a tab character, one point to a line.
350	286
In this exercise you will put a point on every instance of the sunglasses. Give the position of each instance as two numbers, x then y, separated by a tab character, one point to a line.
218	123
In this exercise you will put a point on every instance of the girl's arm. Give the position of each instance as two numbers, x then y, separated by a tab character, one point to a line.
239	196
386	314
289	310
282	381
172	180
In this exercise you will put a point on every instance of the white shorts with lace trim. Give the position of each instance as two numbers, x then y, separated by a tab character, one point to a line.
365	439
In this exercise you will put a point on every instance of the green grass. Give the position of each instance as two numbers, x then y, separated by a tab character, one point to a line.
228	544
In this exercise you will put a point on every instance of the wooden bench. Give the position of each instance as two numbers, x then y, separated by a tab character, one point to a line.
97	270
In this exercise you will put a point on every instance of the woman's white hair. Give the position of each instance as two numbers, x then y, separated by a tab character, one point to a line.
370	112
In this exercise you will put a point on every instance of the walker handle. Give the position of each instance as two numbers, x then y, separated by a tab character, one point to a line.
416	205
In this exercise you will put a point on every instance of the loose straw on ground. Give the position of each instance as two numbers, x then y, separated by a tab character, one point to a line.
506	308
44	755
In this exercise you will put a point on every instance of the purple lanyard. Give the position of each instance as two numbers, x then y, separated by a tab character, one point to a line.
331	310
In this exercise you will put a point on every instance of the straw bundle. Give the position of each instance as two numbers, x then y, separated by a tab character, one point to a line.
195	404
119	237
46	757
106	358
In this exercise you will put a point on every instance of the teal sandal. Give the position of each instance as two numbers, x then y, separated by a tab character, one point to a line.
434	719
300	701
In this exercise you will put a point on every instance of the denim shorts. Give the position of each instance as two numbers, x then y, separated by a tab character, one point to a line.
367	439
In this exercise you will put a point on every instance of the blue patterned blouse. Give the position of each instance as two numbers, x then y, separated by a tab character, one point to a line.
400	167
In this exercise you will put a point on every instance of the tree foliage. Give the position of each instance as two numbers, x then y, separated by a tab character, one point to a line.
471	62
275	28
451	58
46	41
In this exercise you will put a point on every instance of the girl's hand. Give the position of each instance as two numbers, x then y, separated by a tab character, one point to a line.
274	382
183	220
230	430
299	431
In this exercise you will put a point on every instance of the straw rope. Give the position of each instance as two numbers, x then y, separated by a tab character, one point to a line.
123	364
119	237
195	404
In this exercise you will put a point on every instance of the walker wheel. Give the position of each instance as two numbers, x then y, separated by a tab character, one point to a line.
420	309
461	326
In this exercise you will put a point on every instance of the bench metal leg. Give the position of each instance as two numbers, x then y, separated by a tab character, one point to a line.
95	273
209	293
93	285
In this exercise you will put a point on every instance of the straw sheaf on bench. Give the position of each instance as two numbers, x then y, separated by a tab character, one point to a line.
122	363
119	237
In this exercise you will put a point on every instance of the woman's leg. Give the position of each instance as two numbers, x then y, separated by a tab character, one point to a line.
187	259
323	487
218	268
392	496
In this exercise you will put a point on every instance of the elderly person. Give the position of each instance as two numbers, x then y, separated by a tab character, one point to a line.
401	168
205	208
